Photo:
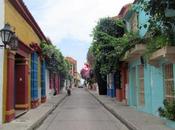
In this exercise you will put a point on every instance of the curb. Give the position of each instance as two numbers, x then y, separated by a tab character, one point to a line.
123	120
40	121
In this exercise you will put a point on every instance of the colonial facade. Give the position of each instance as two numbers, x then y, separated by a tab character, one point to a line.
23	71
73	69
153	81
116	83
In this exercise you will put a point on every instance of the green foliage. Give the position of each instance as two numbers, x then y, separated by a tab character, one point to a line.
155	43
110	44
168	111
110	49
158	20
60	65
109	26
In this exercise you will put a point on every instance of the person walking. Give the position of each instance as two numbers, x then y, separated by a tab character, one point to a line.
68	90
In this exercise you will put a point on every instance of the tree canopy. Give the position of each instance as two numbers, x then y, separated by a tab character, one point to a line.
55	61
162	17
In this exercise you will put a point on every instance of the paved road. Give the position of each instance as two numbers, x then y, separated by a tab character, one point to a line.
81	111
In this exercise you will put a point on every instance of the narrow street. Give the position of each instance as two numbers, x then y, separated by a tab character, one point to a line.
81	111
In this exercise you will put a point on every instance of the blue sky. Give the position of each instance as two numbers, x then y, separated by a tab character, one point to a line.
69	23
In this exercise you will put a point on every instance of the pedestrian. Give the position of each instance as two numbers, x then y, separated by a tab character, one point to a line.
68	90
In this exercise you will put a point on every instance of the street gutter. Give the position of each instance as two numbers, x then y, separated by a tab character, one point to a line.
129	125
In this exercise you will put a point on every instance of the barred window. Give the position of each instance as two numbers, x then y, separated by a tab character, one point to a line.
169	82
141	85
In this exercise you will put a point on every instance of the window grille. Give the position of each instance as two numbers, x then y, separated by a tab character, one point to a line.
141	85
169	82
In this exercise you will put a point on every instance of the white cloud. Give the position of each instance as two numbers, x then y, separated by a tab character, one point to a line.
69	22
75	19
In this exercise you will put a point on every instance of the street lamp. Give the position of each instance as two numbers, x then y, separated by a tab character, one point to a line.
8	37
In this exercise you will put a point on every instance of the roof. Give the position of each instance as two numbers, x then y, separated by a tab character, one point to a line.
70	59
20	6
123	11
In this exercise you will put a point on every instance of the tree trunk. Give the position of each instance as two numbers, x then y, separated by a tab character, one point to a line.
102	84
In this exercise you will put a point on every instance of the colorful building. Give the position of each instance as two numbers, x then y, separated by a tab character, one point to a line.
153	81
24	80
116	82
78	79
73	69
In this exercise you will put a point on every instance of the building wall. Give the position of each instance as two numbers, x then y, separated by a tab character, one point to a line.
27	35
142	20
157	88
153	87
49	91
153	78
1	61
22	28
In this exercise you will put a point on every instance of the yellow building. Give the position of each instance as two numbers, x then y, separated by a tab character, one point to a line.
22	86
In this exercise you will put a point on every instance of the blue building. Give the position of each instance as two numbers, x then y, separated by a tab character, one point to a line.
153	81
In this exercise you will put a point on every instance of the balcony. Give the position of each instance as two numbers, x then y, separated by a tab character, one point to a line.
166	53
135	52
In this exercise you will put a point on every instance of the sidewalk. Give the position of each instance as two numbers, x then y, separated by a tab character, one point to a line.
34	117
133	119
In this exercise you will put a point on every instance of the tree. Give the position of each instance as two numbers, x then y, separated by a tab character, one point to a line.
110	42
55	61
162	18
105	49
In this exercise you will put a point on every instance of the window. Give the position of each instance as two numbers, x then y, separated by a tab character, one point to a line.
141	85
169	82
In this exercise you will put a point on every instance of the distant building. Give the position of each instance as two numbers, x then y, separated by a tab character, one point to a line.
73	69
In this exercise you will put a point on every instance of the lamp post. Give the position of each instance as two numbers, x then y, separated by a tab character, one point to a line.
8	38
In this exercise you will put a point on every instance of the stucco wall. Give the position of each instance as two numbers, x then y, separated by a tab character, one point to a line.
49	91
142	20
153	87
22	28
1	59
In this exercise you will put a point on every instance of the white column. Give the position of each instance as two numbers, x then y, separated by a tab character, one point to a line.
2	16
48	90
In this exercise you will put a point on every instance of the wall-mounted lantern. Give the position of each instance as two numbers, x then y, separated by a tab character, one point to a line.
8	38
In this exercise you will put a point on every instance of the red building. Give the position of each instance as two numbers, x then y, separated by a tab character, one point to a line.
121	90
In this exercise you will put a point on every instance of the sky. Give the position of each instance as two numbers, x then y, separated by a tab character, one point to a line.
69	23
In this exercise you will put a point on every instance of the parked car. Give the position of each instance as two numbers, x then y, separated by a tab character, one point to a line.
80	86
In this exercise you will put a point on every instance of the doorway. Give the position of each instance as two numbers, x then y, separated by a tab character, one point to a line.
20	85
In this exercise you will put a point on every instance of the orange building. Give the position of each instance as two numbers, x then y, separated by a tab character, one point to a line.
73	69
73	64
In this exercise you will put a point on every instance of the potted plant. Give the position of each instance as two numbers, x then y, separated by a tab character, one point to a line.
168	112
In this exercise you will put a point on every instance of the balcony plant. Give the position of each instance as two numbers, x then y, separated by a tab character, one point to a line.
168	112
